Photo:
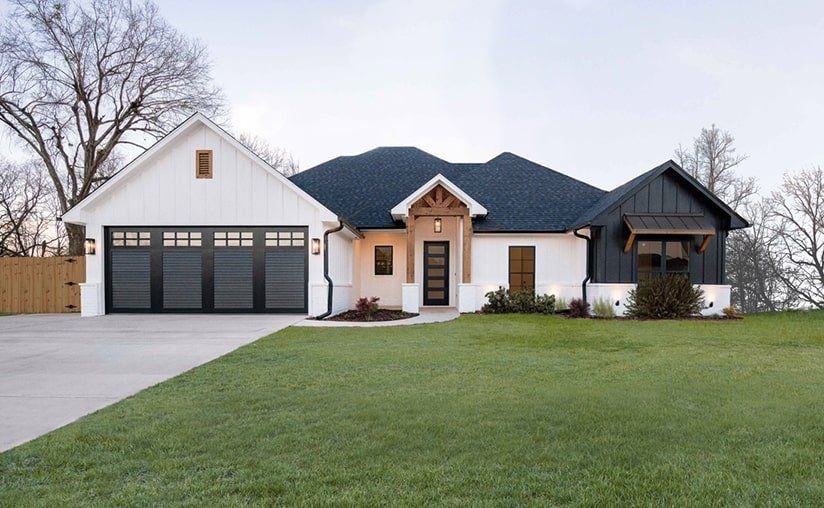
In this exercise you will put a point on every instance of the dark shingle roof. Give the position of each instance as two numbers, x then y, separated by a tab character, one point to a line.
518	194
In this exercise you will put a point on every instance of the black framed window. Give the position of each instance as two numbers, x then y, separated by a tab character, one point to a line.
660	257
521	267
383	260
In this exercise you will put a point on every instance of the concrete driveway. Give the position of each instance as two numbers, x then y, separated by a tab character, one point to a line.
56	368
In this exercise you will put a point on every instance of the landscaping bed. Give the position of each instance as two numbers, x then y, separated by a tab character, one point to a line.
378	315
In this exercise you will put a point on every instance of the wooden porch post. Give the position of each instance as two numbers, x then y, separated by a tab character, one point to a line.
467	248
410	248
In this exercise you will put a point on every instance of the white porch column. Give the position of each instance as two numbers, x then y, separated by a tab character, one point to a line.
410	295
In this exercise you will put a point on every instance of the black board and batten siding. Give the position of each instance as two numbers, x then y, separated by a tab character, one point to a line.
266	271
668	192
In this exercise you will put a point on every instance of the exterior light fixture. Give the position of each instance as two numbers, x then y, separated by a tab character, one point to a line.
438	225
316	246
89	246
617	303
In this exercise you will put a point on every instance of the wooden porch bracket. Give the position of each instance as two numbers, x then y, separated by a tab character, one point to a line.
704	244
630	241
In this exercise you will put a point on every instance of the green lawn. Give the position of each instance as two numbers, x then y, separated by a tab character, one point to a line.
486	410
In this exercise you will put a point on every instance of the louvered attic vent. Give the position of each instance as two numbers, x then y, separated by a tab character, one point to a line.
203	164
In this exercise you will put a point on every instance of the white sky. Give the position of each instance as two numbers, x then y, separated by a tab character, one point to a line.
601	90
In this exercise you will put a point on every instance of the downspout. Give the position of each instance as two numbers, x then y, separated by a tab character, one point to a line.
330	290
589	263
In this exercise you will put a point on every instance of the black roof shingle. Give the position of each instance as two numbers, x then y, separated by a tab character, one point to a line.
518	194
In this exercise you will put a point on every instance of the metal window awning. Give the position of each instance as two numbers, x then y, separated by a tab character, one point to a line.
664	224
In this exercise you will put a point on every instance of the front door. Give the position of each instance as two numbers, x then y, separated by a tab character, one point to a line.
436	273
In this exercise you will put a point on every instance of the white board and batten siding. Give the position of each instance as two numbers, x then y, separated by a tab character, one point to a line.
341	261
560	263
161	190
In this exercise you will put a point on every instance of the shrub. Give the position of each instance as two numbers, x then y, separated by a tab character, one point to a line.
523	301
545	304
578	308
668	297
367	307
603	308
497	302
561	304
730	312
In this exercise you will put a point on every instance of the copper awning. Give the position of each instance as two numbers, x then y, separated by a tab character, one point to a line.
683	224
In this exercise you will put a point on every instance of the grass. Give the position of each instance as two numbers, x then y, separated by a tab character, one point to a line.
486	410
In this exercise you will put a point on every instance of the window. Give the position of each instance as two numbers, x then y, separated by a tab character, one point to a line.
234	238
656	257
521	268
181	238
285	239
203	164
131	238
383	260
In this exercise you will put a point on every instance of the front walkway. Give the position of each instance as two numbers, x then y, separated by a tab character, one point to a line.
55	368
426	315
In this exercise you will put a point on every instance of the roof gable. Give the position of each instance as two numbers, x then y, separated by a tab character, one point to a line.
616	196
77	213
401	210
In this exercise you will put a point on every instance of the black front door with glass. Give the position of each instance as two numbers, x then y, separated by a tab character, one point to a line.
660	257
436	273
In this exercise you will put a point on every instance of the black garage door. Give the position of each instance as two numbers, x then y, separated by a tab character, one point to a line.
206	269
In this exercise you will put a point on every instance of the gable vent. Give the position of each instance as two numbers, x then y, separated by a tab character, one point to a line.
203	164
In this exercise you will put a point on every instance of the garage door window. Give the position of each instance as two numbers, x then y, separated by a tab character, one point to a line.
234	239
285	239
131	238
182	239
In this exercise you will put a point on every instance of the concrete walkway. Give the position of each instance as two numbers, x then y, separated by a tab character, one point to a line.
430	315
56	368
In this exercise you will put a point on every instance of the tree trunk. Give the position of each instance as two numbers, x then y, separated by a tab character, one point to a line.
77	239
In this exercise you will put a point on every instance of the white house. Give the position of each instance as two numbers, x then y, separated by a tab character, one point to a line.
198	223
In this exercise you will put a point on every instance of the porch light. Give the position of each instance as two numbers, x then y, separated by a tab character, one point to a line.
438	225
316	246
89	246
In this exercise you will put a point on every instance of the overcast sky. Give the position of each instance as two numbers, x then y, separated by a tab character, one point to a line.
600	90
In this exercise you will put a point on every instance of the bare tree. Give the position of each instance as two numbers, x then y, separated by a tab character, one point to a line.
79	80
753	266
278	158
798	214
712	160
27	212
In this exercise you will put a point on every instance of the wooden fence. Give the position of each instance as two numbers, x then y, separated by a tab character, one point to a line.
37	285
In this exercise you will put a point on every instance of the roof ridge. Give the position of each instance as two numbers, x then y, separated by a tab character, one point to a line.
524	159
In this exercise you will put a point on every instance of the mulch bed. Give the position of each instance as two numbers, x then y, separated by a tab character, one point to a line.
379	315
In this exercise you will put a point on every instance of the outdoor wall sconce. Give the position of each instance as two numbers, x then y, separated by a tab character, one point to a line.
89	246
316	246
438	225
617	303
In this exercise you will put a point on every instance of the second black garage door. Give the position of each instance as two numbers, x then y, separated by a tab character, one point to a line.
206	269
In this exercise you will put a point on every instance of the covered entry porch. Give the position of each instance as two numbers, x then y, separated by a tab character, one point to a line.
438	219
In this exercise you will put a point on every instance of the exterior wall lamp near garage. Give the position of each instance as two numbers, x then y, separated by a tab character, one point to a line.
438	225
89	246
316	246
